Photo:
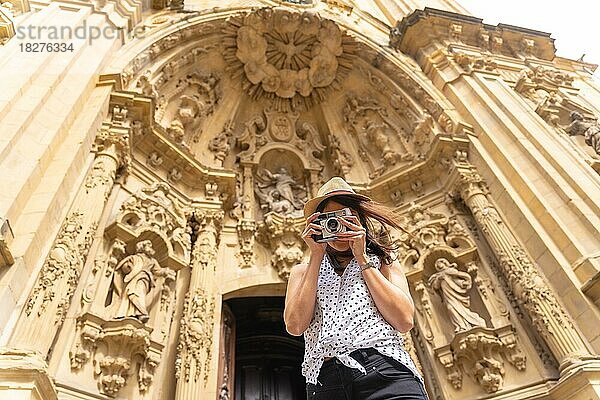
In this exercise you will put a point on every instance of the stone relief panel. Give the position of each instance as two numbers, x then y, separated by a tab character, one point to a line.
387	133
280	193
294	59
463	320
128	302
184	109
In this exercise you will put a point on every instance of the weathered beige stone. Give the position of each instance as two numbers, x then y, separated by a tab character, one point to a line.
148	181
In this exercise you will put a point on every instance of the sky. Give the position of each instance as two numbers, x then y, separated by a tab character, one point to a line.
574	24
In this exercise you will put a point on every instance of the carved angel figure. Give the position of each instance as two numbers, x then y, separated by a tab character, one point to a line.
453	286
280	193
134	283
590	130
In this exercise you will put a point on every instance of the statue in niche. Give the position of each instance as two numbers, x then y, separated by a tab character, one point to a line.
278	192
453	285
590	130
134	283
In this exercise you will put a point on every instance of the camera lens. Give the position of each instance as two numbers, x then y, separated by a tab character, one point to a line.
332	225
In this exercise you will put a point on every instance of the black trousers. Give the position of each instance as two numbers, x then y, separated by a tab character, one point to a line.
386	379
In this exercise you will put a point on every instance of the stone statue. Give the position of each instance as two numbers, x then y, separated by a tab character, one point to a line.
220	144
280	193
134	283
453	285
590	130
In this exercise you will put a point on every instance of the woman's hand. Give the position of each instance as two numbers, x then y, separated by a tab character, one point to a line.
356	235
316	249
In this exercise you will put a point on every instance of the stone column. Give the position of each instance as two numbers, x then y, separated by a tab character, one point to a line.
194	360
548	316
46	307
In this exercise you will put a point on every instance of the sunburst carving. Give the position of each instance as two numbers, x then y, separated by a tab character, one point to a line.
293	58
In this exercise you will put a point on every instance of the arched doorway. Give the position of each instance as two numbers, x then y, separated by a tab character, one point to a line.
267	358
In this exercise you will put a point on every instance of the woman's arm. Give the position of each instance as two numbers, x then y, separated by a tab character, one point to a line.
389	290
301	296
388	286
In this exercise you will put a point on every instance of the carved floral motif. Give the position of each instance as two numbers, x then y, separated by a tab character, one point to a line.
63	264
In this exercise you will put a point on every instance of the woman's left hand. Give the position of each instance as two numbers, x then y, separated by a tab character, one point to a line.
356	235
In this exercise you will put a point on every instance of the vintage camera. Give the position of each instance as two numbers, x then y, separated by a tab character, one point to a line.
331	225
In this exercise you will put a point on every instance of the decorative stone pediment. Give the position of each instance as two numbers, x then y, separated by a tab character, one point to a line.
292	58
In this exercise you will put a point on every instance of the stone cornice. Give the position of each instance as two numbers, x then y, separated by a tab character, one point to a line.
425	28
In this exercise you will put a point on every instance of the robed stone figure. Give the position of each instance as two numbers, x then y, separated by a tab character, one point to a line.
453	287
134	283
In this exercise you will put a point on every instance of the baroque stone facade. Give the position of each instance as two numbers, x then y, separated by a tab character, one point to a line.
153	177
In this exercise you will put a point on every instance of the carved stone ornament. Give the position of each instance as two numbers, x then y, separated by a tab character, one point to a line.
429	230
195	341
281	130
188	104
156	209
119	349
63	264
279	193
282	236
293	58
6	237
220	145
478	354
588	128
246	230
470	62
376	135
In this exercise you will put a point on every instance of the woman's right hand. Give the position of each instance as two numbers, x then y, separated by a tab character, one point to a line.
316	249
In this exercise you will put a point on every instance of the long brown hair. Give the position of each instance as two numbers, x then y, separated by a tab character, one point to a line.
367	212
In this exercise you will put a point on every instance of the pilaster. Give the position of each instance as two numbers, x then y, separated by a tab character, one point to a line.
197	352
548	316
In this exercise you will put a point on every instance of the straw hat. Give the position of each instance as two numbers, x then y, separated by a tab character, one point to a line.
333	187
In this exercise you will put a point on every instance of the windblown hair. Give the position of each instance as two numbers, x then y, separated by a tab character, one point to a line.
368	211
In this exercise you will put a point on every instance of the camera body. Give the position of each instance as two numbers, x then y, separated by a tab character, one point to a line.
331	225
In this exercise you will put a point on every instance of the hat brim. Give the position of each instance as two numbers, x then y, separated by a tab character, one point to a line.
311	205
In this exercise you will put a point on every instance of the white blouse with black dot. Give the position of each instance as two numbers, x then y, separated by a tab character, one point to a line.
347	319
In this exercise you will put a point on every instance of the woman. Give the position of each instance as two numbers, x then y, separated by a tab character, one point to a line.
351	302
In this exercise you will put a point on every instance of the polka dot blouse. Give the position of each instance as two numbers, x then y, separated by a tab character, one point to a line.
346	319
